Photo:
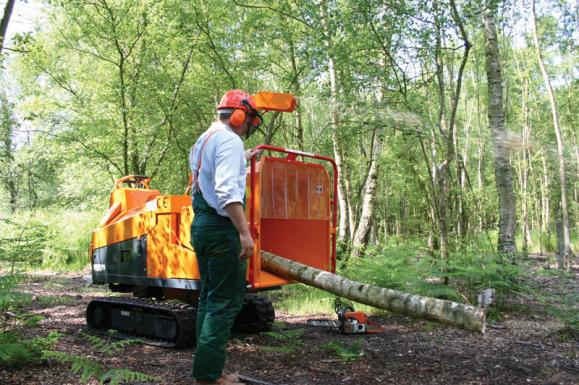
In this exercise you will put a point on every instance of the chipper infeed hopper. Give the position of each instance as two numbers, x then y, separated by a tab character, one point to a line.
143	246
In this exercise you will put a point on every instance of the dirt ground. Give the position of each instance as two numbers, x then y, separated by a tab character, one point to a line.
524	347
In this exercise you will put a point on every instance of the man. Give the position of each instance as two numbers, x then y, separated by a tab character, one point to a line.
219	231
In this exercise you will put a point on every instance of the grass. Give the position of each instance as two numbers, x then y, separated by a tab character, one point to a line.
303	299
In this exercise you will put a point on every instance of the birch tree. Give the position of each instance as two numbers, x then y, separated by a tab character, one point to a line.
503	173
565	255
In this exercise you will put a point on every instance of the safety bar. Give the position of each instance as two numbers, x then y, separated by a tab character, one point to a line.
292	155
141	180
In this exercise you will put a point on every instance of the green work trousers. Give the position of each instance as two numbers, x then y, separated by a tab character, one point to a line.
217	247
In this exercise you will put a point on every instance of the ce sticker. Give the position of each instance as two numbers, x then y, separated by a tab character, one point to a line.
163	202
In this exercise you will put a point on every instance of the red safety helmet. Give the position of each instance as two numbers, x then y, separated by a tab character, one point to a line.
242	105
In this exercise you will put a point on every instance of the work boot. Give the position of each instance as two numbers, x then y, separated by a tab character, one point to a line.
231	377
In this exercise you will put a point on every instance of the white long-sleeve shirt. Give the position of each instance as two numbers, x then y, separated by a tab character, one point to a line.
221	178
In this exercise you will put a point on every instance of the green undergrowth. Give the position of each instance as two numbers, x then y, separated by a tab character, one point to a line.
90	370
410	268
49	239
16	351
283	340
345	352
286	341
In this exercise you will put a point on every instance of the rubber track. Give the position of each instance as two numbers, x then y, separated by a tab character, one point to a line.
184	314
263	317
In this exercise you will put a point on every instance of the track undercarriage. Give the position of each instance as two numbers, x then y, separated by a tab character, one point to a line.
169	324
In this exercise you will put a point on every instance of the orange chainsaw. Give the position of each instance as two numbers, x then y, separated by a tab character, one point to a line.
349	321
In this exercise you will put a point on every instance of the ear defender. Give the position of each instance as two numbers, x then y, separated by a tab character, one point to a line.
237	118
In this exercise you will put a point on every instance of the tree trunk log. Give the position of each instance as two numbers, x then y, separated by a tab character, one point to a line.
463	316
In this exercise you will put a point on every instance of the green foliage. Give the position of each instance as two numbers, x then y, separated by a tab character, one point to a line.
345	352
116	376
15	352
55	238
566	308
30	320
13	300
9	281
106	346
51	300
89	369
23	240
287	341
409	268
18	354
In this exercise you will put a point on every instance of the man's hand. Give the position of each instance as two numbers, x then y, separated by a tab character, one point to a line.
237	216
250	153
246	245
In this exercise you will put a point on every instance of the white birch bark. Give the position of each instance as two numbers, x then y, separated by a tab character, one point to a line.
503	173
360	239
565	259
460	315
344	223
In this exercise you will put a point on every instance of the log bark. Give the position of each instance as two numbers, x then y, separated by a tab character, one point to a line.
451	313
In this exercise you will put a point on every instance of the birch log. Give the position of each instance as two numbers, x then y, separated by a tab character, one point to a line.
455	314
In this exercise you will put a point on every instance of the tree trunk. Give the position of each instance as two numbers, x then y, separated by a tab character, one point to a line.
344	223
442	171
297	92
503	174
360	239
8	173
526	167
5	20
460	315
545	202
567	253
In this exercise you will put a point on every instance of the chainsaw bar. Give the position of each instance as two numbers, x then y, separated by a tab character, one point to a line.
325	323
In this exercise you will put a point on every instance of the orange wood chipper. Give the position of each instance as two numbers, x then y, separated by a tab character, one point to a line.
143	246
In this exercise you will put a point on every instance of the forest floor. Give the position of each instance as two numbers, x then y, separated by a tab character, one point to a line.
523	346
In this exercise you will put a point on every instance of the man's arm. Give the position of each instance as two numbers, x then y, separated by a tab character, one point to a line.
237	216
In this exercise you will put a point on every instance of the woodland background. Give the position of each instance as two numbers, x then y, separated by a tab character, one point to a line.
397	91
453	123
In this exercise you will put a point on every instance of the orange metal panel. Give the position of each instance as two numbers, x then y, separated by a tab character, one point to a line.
130	226
292	208
302	240
167	255
293	190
